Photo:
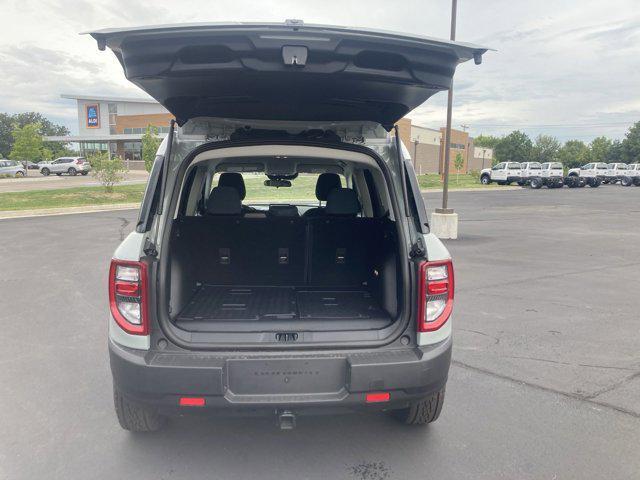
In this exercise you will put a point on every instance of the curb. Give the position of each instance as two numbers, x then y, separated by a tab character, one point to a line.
45	212
478	189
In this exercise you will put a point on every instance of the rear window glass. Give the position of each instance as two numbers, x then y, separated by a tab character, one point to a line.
514	166
601	166
534	166
556	166
302	189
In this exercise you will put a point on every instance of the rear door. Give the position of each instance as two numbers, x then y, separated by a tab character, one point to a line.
288	71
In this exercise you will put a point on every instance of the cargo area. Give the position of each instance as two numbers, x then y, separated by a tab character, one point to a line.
238	274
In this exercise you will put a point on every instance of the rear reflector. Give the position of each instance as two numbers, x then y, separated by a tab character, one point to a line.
377	397
192	402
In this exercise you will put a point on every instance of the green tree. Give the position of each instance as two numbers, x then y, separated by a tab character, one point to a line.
515	147
631	144
545	149
615	154
574	153
458	162
486	141
8	122
108	171
599	149
150	144
27	143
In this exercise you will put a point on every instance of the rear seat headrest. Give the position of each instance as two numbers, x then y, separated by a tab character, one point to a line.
233	180
325	183
224	201
342	201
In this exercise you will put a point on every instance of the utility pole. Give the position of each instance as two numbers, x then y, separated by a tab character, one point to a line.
447	137
464	127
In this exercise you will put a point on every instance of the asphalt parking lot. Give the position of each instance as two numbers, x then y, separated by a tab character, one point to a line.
545	380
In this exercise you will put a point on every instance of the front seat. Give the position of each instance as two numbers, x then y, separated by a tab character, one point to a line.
234	180
342	202
224	201
325	183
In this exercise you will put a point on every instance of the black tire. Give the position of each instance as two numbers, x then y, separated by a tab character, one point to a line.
45	172
485	179
84	174
19	174
626	181
72	171
522	183
136	417
422	412
636	181
536	183
595	183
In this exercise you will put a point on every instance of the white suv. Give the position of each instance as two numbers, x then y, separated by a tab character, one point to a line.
634	173
504	173
69	165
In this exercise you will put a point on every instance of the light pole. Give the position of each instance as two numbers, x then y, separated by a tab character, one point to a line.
447	137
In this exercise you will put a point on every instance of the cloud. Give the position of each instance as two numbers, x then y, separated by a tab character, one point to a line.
556	70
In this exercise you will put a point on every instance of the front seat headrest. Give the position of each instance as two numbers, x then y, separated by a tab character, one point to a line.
233	180
342	201
224	201
325	183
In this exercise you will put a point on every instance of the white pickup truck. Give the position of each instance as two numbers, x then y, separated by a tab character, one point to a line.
618	172
592	174
634	173
538	175
504	173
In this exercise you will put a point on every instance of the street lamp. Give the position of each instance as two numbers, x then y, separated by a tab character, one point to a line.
447	137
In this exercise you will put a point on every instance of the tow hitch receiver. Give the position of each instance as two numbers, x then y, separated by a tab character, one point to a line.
286	420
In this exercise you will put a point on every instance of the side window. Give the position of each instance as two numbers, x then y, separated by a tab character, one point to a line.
499	166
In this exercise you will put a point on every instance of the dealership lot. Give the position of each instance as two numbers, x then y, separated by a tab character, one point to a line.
545	379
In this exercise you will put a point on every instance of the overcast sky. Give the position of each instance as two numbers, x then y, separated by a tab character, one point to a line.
569	68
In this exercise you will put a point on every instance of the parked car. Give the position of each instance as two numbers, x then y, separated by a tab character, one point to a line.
634	173
216	306
618	172
11	167
69	165
592	174
504	173
29	165
528	171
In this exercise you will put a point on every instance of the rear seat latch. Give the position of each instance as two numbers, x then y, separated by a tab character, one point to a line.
225	256
341	253
283	256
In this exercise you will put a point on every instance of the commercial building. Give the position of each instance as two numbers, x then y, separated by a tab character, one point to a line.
116	125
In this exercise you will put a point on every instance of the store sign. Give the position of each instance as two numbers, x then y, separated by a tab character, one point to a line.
93	116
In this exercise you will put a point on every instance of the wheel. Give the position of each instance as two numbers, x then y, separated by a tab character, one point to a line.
19	174
536	183
45	172
136	417
636	181
72	171
595	182
485	180
625	181
423	411
84	174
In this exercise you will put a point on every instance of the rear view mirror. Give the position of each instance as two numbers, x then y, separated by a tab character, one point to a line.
277	183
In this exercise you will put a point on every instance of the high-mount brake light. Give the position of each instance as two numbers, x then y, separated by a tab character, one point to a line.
128	296
435	294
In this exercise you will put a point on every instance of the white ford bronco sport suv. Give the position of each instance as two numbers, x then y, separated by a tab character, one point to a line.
504	173
286	309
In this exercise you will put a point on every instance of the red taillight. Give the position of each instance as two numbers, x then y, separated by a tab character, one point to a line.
128	296
377	397
191	402
435	294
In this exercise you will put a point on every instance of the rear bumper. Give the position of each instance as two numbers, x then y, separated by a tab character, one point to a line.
302	383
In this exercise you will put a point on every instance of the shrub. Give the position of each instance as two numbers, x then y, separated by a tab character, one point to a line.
108	171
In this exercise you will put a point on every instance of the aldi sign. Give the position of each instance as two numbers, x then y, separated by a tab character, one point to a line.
93	116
